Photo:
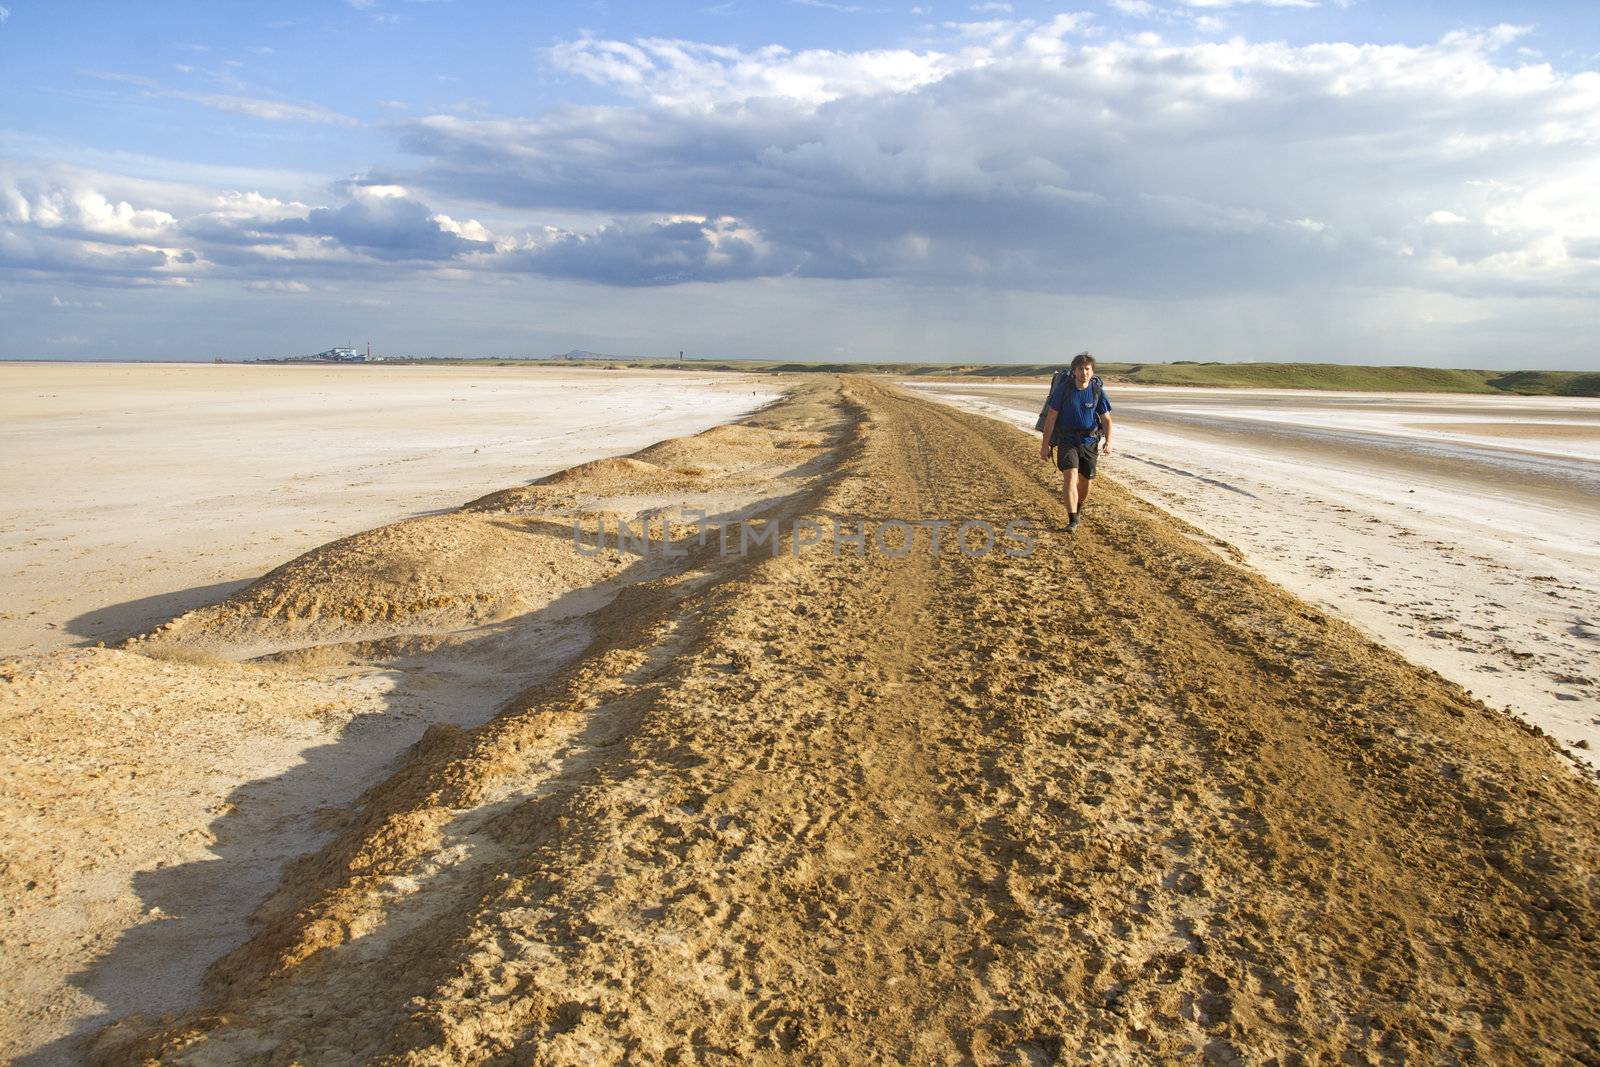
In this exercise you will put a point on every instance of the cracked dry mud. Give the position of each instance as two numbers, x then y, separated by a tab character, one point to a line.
1120	801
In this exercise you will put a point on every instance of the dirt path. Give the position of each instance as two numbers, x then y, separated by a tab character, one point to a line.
1500	596
1120	800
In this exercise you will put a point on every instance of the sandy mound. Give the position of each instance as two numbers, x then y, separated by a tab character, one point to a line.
604	473
736	435
489	560
722	448
425	573
723	458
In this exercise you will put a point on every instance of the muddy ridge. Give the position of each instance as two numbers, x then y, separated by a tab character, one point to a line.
1117	800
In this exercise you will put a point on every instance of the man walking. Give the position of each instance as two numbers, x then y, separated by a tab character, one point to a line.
1078	424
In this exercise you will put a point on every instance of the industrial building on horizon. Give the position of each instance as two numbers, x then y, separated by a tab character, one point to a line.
339	355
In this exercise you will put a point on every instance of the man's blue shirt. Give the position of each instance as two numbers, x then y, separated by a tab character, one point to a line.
1077	407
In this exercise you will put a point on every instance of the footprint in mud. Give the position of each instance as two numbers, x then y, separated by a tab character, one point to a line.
1183	880
1214	1005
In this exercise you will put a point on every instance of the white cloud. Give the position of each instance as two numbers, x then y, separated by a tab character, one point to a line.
253	205
5	13
48	204
270	110
1444	218
62	222
255	107
674	73
471	229
684	73
1138	8
374	191
1242	3
828	5
278	287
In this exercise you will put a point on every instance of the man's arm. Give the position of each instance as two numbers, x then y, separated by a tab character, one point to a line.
1049	433
1105	431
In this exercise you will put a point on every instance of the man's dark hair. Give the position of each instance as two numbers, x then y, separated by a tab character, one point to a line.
1083	359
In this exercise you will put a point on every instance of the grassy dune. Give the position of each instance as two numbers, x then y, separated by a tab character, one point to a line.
1387	379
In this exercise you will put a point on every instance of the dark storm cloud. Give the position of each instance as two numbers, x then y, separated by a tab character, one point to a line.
661	253
1131	167
68	258
386	227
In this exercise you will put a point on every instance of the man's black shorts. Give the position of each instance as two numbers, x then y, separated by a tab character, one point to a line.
1083	456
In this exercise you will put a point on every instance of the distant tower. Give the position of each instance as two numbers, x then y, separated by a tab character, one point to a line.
369	351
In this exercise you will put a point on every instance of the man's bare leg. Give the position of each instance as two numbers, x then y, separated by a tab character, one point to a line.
1083	491
1069	489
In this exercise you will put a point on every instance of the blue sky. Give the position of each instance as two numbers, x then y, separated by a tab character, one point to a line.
1193	179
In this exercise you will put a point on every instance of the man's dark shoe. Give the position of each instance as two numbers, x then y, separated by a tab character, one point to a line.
1073	520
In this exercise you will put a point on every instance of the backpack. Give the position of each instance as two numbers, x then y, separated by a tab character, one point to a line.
1095	385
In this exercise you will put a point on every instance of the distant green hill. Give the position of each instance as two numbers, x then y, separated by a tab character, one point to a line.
1314	376
1237	375
1548	383
1364	379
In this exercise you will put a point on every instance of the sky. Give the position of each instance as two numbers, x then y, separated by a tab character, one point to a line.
1353	181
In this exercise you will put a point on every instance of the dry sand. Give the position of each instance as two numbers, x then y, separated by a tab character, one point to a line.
817	807
134	492
1417	517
